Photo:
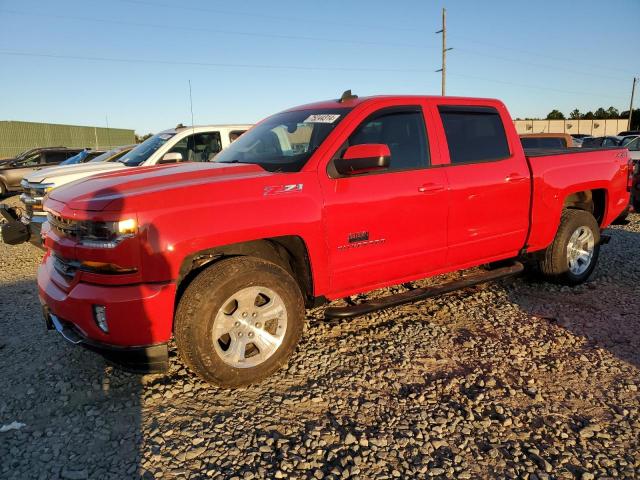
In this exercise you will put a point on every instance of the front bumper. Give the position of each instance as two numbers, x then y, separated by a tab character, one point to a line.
149	359
139	316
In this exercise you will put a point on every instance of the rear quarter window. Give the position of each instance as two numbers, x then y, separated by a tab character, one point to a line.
474	134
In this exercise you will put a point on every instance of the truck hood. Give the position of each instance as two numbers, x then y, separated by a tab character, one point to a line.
118	190
55	174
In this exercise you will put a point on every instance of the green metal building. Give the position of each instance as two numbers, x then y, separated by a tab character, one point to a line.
16	137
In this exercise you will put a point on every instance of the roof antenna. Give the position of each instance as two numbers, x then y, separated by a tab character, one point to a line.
191	105
346	96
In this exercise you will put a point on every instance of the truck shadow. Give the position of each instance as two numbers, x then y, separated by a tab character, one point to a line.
604	309
81	417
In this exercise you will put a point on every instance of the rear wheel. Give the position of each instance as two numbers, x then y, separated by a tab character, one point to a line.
239	321
573	254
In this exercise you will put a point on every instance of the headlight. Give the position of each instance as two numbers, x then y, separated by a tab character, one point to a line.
106	234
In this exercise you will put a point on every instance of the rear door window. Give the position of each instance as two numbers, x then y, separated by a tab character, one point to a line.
474	134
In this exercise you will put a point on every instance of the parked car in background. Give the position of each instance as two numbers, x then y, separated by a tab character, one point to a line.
34	189
581	135
13	170
547	140
180	144
627	139
629	132
608	141
82	157
113	154
315	203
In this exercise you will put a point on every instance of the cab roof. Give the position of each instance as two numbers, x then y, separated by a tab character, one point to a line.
355	101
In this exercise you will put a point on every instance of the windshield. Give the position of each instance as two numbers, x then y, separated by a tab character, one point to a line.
285	141
627	140
109	155
147	148
24	154
78	158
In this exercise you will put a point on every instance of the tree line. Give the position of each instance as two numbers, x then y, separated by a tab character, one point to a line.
599	114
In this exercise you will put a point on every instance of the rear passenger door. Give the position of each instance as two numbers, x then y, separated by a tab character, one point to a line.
489	185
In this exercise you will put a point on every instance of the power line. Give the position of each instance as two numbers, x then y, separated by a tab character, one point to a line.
181	6
212	30
546	56
536	87
209	64
164	27
277	67
536	65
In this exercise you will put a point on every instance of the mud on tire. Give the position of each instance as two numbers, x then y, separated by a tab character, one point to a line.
239	321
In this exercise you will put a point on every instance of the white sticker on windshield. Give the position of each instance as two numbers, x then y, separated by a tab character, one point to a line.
322	118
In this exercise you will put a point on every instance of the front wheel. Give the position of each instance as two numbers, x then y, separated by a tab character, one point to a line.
239	321
573	254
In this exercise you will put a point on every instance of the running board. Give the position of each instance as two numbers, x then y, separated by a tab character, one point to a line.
422	293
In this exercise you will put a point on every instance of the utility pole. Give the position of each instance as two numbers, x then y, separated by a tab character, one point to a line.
444	51
633	91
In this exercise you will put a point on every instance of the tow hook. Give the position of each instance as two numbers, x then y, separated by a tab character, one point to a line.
13	231
604	239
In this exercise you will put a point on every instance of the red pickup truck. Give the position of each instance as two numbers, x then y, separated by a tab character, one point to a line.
315	203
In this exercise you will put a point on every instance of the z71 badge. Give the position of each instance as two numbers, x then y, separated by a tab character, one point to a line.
274	189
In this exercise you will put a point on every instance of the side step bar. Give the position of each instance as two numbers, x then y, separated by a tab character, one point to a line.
422	293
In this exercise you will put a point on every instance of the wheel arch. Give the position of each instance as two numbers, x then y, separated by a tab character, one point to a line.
593	201
290	252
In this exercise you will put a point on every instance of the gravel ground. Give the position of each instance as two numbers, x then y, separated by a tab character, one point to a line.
513	380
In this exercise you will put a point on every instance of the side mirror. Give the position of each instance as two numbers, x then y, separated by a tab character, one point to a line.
364	158
171	157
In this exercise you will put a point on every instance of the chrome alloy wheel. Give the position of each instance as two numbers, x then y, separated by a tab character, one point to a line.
580	250
249	327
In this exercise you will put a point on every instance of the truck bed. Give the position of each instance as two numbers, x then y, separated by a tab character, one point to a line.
543	152
558	173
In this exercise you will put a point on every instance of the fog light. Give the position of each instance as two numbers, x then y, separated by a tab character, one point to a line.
100	316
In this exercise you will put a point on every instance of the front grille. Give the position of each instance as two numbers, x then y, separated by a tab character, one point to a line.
66	268
65	227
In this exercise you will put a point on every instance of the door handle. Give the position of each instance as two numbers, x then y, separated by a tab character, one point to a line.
514	177
430	188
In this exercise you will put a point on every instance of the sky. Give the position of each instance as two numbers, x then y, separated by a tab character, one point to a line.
128	63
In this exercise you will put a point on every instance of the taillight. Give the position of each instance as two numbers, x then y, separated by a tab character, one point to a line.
630	169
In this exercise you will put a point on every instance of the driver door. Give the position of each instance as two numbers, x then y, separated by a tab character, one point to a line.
388	226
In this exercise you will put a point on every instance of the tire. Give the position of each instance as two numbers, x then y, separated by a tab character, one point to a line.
636	204
216	316
575	227
3	190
